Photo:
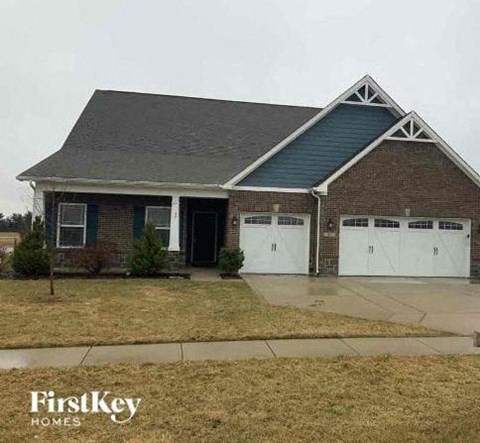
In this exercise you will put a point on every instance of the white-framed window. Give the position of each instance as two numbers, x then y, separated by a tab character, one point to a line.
356	222
421	224
450	226
288	220
72	225
386	223
258	220
159	216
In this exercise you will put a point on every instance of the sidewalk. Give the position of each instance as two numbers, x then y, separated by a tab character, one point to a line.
234	350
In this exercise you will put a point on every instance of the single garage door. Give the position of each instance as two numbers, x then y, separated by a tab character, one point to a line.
275	243
404	246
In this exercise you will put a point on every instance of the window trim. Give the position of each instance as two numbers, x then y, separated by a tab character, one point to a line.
161	228
429	222
292	225
257	225
452	223
60	225
348	218
396	223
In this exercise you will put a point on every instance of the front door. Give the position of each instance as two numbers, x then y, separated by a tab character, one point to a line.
204	238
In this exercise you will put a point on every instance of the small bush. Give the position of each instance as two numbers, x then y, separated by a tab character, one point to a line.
31	258
231	260
148	257
95	259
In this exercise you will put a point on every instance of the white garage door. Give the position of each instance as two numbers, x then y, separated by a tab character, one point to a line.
404	246
275	243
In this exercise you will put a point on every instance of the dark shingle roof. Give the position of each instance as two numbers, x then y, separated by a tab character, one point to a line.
161	138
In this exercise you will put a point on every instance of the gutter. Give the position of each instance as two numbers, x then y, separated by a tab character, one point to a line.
119	182
317	246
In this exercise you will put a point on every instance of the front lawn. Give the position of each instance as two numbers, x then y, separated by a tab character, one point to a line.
284	400
151	311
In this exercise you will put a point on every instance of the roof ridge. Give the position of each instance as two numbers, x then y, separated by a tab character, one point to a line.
114	91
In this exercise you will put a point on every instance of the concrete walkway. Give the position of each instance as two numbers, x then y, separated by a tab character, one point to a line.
445	304
234	350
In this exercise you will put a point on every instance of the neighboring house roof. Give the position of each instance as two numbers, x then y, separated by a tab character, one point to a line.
320	150
160	138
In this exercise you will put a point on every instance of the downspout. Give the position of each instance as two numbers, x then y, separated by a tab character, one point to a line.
317	249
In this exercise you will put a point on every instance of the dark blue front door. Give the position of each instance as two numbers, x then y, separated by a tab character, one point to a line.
204	238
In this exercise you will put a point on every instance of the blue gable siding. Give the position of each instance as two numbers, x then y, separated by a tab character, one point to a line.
323	148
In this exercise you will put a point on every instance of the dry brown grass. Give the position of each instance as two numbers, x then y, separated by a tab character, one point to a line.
386	399
152	311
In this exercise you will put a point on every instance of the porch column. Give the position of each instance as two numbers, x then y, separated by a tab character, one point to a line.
174	244
38	207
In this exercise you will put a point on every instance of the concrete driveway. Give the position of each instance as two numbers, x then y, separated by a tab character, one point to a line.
445	304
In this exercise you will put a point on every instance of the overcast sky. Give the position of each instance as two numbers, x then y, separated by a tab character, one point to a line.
55	53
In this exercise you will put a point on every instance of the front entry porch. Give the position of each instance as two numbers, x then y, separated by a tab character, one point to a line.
204	230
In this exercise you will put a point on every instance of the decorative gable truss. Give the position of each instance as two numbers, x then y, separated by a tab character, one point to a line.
367	94
411	131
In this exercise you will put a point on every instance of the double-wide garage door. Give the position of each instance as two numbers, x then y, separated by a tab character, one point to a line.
275	243
404	247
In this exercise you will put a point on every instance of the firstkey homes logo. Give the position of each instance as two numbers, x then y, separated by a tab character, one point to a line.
68	411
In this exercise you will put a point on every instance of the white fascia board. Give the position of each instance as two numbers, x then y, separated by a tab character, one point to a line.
294	135
435	138
267	189
129	188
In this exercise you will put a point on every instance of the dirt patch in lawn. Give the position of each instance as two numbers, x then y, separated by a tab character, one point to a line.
285	400
86	312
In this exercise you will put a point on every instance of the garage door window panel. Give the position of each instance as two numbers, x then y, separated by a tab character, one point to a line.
450	226
258	220
385	223
286	220
421	224
356	222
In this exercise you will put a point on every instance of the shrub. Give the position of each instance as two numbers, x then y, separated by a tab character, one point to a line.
231	260
148	257
95	259
31	258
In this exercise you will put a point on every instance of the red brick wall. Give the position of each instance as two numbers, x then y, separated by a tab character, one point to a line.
248	201
115	213
115	221
400	175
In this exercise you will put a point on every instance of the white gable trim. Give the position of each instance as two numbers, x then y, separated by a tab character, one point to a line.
434	138
341	98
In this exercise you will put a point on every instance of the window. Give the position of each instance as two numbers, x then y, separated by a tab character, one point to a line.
258	220
385	223
71	225
421	224
159	216
450	226
286	220
356	222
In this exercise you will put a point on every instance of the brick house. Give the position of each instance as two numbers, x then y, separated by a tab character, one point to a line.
359	187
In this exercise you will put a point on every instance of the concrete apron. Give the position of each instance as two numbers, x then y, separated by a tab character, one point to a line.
235	350
444	304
